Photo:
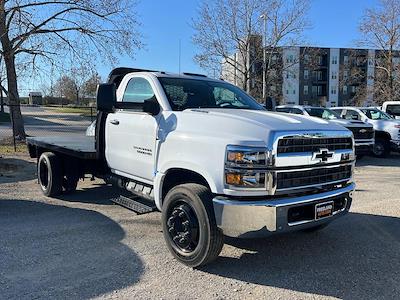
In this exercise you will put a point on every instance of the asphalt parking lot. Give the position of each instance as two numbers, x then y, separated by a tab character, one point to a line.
83	246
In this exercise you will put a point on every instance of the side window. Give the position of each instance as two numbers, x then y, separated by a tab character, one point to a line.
338	111
352	115
283	109
296	111
137	91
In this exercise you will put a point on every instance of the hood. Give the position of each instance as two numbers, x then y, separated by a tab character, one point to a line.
270	120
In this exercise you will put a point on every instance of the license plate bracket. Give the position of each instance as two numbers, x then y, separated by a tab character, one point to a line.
323	210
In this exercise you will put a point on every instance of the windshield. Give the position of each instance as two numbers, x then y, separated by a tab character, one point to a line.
376	114
185	93
323	113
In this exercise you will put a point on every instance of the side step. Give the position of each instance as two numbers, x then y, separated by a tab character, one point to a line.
139	206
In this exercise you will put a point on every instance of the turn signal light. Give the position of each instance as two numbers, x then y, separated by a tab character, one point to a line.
233	179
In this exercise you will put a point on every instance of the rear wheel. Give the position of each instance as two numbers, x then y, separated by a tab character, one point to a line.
50	174
69	183
381	148
189	226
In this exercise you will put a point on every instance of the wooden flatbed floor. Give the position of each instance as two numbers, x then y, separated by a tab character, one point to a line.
79	146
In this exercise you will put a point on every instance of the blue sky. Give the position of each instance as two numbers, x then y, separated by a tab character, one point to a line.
164	23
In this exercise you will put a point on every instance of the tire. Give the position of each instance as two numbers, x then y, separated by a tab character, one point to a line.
49	174
189	226
69	184
315	228
381	148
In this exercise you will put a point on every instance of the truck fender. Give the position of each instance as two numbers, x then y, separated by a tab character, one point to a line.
160	175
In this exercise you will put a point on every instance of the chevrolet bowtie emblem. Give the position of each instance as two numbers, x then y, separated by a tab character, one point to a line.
363	130
322	155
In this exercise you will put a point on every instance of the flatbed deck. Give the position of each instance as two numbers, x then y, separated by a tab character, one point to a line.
79	146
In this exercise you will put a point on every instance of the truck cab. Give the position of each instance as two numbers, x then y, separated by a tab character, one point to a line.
363	132
387	129
392	108
209	157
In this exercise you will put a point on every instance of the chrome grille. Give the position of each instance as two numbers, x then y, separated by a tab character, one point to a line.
304	144
362	133
318	176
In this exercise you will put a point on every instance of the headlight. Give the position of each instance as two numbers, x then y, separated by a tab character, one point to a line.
245	167
250	157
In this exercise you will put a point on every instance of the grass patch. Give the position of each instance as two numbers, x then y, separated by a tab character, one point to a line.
4	117
82	111
7	147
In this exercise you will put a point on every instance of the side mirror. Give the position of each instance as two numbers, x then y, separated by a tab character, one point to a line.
151	106
106	97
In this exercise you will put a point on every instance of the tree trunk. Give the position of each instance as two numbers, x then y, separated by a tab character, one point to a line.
9	60
13	97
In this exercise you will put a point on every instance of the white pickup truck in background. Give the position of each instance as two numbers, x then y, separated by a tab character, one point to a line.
211	159
387	129
363	132
392	108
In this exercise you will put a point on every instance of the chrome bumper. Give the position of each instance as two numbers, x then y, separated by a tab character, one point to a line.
240	218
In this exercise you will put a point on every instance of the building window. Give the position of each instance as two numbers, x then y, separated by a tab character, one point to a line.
305	90
294	92
305	74
253	83
319	60
287	92
346	59
289	59
334	60
334	75
345	90
353	89
319	90
333	90
314	89
306	58
345	74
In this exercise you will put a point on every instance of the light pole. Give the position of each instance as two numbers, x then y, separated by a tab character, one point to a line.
264	17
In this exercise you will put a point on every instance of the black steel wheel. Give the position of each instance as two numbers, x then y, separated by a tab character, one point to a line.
189	226
183	228
49	174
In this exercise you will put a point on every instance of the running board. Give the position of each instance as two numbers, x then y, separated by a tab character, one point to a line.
139	206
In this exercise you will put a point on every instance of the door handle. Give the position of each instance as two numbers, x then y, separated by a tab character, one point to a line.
114	122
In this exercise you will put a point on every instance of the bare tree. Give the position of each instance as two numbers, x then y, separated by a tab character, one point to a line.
46	32
380	29
90	86
226	31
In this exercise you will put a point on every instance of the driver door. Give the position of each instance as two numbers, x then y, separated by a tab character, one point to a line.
131	133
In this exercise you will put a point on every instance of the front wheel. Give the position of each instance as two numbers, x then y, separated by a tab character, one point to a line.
189	226
381	148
